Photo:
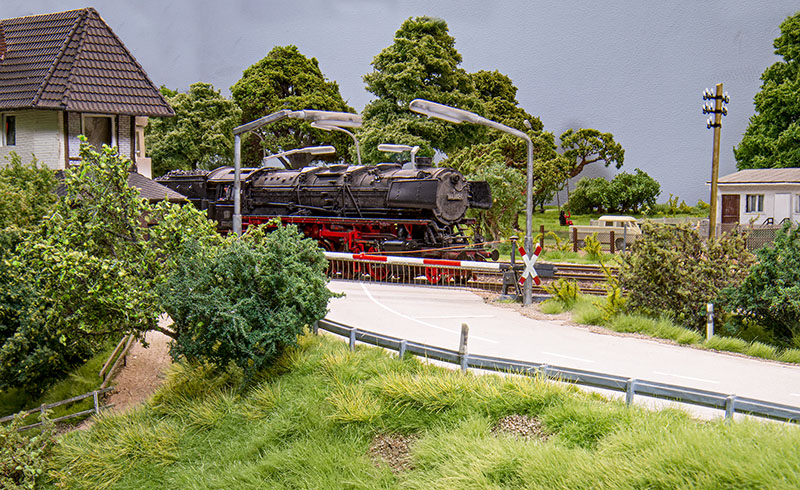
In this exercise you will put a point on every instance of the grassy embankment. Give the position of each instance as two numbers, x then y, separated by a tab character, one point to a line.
586	311
310	421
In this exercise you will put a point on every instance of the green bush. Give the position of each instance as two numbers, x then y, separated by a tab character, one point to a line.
247	299
671	270
770	294
564	291
624	193
23	455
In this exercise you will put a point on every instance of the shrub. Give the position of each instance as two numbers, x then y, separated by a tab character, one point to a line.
564	291
23	456
247	299
593	247
671	270
770	294
625	192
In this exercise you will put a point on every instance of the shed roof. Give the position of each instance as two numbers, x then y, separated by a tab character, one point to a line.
153	191
763	176
72	61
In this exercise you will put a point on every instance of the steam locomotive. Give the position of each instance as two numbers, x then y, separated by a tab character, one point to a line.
385	208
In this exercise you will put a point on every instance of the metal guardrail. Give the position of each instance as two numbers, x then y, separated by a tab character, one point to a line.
631	387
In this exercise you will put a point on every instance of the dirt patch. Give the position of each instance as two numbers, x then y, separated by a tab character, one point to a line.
142	374
520	427
393	450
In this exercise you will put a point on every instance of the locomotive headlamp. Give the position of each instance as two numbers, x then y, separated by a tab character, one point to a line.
457	116
400	149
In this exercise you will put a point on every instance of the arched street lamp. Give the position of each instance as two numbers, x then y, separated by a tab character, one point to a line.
329	118
458	116
400	149
330	127
311	150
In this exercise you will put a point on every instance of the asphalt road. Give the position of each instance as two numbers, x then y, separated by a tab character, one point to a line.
434	316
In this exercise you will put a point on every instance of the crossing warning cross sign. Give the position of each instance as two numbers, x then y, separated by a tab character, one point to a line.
530	271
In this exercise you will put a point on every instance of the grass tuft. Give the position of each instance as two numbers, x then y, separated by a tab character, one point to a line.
790	355
552	307
762	350
587	313
661	328
353	404
728	344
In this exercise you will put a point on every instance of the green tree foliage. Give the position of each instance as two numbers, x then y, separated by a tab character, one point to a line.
246	300
286	79
26	193
772	140
90	271
671	271
200	135
24	456
421	63
770	294
624	193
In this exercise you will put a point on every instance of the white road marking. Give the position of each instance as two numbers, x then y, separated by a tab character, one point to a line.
567	357
451	317
401	315
687	377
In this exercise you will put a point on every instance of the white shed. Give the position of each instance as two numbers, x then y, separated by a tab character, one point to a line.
759	197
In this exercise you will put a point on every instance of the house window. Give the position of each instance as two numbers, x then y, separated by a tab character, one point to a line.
9	131
99	131
754	203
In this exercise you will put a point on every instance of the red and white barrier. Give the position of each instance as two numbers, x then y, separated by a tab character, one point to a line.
392	259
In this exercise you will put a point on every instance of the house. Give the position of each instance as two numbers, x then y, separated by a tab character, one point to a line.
759	197
65	74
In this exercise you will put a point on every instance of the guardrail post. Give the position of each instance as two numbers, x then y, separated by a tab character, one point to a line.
729	407
462	347
544	370
315	328
353	339
709	320
630	390
402	350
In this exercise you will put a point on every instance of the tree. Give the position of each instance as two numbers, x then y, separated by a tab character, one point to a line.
248	299
286	79
772	140
90	271
770	294
421	63
671	271
625	192
200	135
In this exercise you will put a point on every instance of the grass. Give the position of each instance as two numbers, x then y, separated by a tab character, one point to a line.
586	310
82	380
309	422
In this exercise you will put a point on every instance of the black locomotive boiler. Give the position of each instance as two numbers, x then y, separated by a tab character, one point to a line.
349	208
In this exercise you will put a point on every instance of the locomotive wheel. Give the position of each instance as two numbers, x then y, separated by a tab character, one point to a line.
433	274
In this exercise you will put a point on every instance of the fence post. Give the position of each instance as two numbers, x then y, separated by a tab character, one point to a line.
402	350
541	239
315	328
729	409
611	248
353	339
709	320
574	239
96	405
462	347
630	390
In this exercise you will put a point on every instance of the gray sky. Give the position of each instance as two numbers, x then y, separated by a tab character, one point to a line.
634	68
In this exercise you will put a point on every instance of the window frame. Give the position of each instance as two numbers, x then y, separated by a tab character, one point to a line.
757	204
113	119
3	131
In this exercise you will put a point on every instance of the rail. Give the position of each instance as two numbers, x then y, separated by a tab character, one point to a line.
631	387
95	409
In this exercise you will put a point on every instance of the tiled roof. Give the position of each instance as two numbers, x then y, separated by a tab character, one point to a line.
153	191
763	176
72	61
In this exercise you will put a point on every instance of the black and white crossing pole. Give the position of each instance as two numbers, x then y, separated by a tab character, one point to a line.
715	121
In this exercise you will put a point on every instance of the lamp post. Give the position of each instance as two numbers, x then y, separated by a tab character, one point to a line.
457	116
715	122
311	150
329	127
400	149
329	118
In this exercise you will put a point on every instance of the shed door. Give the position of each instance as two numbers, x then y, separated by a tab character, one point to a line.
730	208
783	205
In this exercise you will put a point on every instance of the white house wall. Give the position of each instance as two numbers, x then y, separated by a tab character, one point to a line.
769	191
39	133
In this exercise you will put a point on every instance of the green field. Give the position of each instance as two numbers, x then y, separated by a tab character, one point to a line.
324	417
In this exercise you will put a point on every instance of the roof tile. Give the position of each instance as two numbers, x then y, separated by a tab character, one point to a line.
73	61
